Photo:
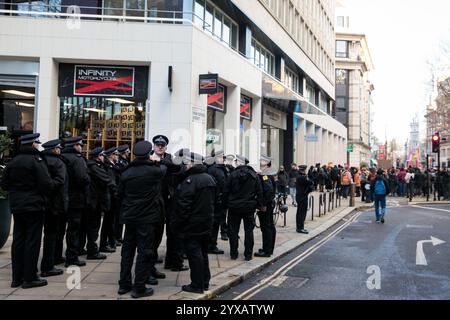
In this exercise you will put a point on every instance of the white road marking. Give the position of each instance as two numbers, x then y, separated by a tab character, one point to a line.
419	226
428	208
281	272
420	255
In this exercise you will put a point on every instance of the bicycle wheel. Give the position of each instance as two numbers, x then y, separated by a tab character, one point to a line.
276	215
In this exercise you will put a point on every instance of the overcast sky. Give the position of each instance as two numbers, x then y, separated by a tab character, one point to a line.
402	35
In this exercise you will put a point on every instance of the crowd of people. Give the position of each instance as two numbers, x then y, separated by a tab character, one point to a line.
108	201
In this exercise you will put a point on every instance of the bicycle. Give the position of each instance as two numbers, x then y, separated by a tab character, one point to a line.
280	208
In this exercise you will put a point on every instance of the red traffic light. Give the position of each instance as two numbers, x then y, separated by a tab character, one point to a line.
436	138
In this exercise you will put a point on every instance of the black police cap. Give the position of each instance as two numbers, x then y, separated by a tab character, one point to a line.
70	142
29	138
52	144
142	149
96	152
160	139
123	148
110	151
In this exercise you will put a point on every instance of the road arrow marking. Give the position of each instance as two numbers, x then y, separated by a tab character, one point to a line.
420	256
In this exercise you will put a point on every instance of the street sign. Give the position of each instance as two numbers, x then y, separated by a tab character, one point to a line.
350	147
208	83
311	138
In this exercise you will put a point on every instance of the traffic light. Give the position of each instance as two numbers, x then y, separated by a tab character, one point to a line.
436	140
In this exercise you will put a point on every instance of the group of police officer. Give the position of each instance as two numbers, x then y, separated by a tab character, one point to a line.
58	190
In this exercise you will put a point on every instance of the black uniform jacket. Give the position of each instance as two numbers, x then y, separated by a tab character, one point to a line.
78	178
304	186
140	192
194	200
58	199
219	173
268	187
243	190
100	187
28	181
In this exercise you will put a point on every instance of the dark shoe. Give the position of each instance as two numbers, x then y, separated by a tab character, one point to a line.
107	249
179	269
224	237
158	275
59	260
233	256
382	218
118	243
141	294
152	281
303	231
262	254
52	273
248	258
189	288
260	250
16	284
82	252
96	256
77	263
34	284
124	290
215	250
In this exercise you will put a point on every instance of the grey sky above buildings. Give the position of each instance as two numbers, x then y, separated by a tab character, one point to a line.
403	37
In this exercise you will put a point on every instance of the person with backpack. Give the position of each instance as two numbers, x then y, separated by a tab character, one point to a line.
380	189
363	178
346	180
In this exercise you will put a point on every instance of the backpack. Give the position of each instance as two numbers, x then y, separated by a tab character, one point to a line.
345	179
380	188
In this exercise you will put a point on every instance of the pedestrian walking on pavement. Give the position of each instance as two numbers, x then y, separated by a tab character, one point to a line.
141	205
265	214
304	188
380	190
242	196
195	200
55	213
293	175
28	182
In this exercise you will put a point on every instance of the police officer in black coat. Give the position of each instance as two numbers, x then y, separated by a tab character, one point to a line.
230	161
304	188
141	206
195	202
122	163
28	182
265	214
220	174
99	200
78	188
55	213
242	196
107	236
173	260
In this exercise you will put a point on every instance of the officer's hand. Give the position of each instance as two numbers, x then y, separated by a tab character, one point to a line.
155	158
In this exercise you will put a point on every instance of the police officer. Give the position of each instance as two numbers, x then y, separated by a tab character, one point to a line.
141	207
78	187
265	214
242	196
195	201
122	163
230	166
107	236
100	191
304	188
219	172
173	260
27	179
58	203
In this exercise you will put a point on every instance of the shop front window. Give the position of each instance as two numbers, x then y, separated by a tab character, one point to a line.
102	122
215	120
245	133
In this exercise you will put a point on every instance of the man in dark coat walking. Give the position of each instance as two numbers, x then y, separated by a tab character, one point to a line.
28	182
242	196
141	205
58	202
195	202
304	188
78	187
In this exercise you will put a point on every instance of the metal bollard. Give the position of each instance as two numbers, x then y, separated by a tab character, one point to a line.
311	207
324	204
330	201
352	195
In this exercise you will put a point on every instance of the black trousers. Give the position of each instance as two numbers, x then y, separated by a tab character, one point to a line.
107	236
174	246
302	209
268	230
73	234
197	252
140	237
51	226
219	218
26	245
60	234
118	227
90	227
234	224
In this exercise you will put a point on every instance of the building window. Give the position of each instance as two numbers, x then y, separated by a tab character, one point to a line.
291	80
262	58
342	49
341	76
246	107
215	21
217	101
